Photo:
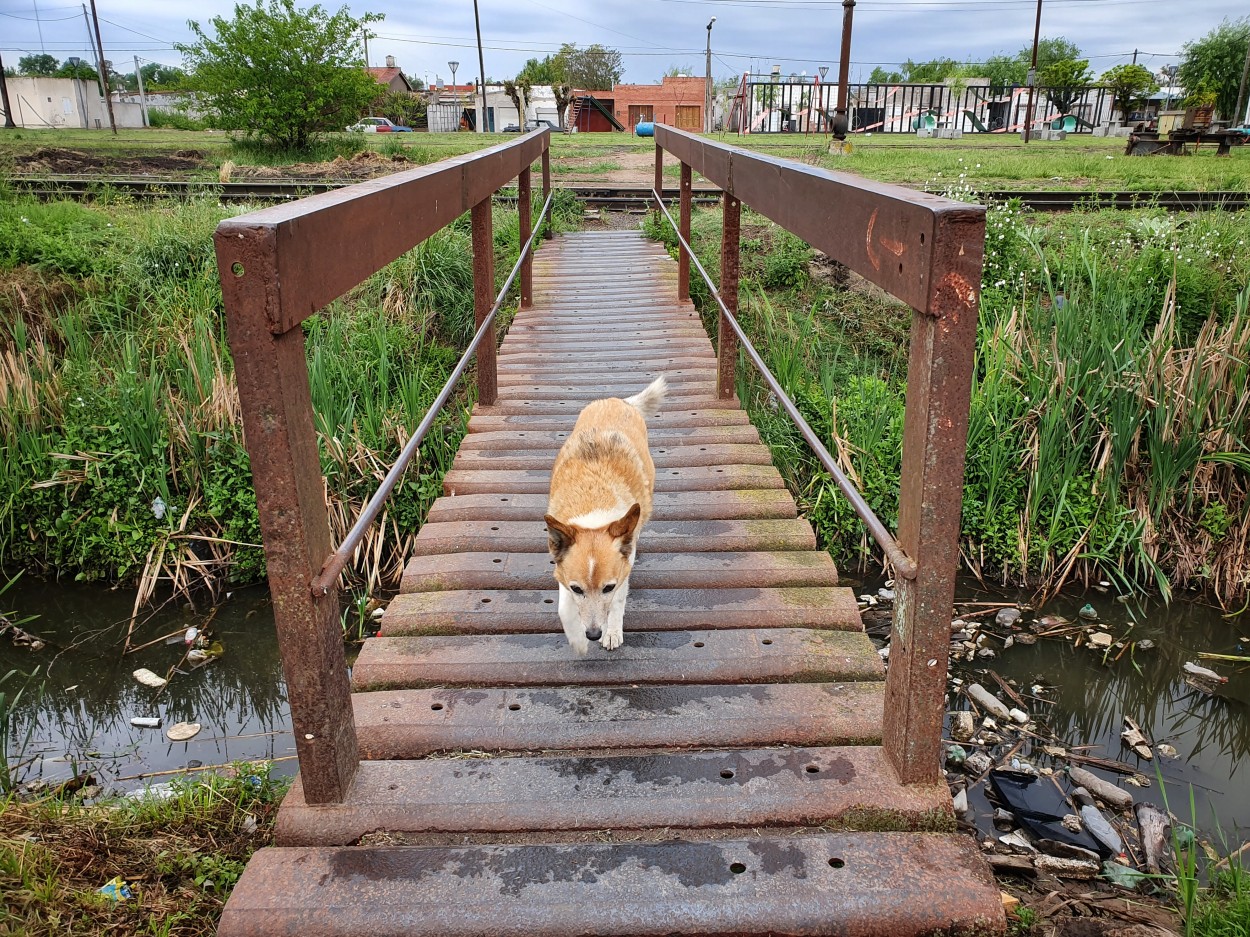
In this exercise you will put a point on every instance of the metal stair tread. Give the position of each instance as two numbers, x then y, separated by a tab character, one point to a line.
740	788
516	611
663	455
535	481
414	723
551	440
666	505
486	418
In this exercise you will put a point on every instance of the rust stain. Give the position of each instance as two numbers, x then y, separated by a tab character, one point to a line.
872	254
897	248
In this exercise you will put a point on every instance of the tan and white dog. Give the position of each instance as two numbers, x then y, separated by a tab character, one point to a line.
601	488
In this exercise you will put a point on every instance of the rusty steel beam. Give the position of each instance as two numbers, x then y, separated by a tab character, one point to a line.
939	386
683	261
548	233
272	375
885	233
658	189
483	291
726	340
524	209
379	220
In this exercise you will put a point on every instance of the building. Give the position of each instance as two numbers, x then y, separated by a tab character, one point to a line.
49	103
677	102
391	77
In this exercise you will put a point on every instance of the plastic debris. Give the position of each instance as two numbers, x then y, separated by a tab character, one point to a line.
1007	617
956	755
1167	751
190	636
116	889
145	722
1020	716
988	701
962	725
1145	644
885	595
978	763
1039	806
1072	823
1155	828
1018	839
147	678
1136	740
1196	670
960	802
159	508
1123	875
181	731
1100	640
1105	791
1004	819
1098	827
1053	847
1088	612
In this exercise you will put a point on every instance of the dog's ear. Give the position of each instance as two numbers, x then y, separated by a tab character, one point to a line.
626	528
560	537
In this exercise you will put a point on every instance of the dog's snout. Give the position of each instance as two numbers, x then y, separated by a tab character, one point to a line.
593	634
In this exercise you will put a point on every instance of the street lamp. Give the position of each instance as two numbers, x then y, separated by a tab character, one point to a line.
453	66
707	90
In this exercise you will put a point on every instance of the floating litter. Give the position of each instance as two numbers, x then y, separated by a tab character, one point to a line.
147	678
181	731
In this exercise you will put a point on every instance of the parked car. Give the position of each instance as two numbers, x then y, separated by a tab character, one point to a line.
377	125
530	125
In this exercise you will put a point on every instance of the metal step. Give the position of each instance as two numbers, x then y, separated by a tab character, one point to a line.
659	536
777	655
666	505
525	611
695	478
900	884
663	455
400	724
488	418
756	788
652	570
664	438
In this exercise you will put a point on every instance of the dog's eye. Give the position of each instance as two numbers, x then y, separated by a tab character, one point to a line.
577	590
609	587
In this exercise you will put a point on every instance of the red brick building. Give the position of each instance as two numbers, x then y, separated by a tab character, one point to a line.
677	102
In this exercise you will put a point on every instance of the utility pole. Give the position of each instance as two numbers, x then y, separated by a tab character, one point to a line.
4	99
1134	56
364	35
840	121
481	64
99	43
143	98
86	18
707	91
1028	111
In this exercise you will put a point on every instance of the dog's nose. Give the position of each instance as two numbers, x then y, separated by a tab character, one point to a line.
593	634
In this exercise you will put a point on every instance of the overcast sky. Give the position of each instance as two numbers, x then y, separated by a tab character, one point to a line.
798	35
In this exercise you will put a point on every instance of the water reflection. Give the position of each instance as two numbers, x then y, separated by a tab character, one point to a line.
81	720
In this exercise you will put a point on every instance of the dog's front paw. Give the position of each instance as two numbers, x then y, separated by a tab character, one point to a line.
580	647
612	639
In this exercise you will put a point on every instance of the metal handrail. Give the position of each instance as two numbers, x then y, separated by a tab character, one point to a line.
337	561
904	565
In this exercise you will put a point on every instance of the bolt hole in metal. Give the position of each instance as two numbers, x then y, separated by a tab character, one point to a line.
237	269
485	601
836	863
436	706
737	868
727	773
496	560
514	706
549	601
812	769
698	644
767	641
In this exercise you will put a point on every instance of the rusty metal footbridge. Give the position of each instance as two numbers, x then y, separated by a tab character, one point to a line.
743	764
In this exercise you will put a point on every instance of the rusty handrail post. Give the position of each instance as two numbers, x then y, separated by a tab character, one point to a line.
726	340
527	261
483	291
271	371
547	232
683	260
659	178
935	434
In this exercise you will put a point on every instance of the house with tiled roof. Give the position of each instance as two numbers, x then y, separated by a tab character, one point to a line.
391	77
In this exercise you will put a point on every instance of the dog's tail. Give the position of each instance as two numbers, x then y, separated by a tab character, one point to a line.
648	401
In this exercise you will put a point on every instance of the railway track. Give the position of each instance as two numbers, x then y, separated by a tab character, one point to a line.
612	196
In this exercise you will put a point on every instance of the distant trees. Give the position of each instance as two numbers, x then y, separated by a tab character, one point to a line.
1065	81
551	70
594	68
1006	70
156	77
38	66
1214	63
281	73
1130	86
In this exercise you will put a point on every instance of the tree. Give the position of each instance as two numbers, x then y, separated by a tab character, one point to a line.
518	90
82	70
551	70
1130	85
880	76
281	74
38	66
156	77
678	71
1004	70
595	68
399	107
1215	63
1065	81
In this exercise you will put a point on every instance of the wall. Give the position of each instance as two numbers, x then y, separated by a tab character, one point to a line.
65	102
663	98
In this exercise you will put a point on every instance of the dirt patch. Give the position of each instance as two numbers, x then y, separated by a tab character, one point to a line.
54	160
366	165
34	296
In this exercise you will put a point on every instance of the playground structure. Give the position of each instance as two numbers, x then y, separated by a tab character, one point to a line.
805	104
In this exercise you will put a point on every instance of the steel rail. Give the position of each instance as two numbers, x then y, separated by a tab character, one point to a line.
903	565
338	560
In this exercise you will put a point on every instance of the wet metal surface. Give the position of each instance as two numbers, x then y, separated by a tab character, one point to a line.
896	884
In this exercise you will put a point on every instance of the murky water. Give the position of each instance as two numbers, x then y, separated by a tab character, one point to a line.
82	717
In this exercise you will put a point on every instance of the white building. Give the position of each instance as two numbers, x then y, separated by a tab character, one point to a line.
50	103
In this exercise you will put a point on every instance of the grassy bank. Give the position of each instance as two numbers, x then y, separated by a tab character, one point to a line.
121	447
179	854
1109	421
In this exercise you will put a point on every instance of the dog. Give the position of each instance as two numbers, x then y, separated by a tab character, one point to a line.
601	490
